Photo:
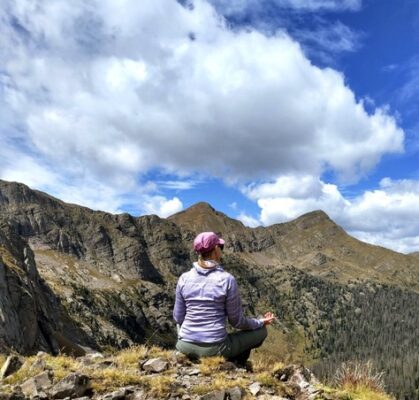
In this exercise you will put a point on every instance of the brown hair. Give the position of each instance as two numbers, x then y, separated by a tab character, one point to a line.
204	256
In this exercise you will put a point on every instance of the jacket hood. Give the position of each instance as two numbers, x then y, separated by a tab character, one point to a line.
206	271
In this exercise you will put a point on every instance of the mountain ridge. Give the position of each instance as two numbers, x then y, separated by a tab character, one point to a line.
113	279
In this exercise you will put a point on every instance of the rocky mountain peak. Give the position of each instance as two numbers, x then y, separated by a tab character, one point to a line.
314	218
203	217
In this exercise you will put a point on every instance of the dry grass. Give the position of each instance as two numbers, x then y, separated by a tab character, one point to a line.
278	366
109	379
359	375
209	365
266	379
24	373
155	351
62	365
131	356
361	394
219	382
159	385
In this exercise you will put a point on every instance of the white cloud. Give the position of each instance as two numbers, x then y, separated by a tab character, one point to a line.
121	89
388	216
161	206
233	205
178	185
328	39
248	220
290	196
322	4
244	6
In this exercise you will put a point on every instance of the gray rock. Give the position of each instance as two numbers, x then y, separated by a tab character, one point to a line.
119	394
155	365
215	395
192	371
73	385
10	366
39	383
235	393
138	395
254	388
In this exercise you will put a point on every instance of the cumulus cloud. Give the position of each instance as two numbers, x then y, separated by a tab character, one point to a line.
388	215
161	206
248	220
121	92
290	196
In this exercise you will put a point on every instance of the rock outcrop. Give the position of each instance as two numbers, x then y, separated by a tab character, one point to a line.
171	376
32	316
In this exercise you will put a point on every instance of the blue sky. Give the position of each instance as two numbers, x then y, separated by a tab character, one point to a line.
266	109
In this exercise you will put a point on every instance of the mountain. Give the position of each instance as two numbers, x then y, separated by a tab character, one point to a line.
103	280
312	243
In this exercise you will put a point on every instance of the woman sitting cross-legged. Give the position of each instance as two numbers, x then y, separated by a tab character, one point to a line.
207	295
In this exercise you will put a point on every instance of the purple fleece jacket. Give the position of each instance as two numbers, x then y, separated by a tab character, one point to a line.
204	298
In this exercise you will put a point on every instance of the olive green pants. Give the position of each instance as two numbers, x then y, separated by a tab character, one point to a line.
236	347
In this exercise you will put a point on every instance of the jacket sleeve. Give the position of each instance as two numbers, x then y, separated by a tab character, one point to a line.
179	311
234	309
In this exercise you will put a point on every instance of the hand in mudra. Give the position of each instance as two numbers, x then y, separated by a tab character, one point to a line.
268	318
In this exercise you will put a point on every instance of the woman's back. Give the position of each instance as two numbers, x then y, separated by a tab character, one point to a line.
204	293
204	298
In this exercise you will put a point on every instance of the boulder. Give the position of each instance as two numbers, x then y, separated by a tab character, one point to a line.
214	395
254	388
39	383
73	385
235	393
155	365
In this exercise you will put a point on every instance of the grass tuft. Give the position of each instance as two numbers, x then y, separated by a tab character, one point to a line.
219	382
359	375
159	385
109	379
210	365
131	356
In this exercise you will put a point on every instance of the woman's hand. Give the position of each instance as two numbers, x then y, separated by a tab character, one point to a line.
268	318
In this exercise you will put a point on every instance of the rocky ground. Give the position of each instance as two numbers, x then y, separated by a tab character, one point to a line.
153	373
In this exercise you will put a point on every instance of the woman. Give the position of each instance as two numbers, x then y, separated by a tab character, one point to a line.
205	296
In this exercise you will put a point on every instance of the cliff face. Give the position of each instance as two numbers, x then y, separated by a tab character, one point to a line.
32	316
72	276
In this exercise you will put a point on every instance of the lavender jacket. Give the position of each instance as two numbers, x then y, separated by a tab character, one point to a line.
204	298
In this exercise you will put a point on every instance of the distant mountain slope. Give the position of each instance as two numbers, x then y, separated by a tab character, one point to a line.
111	279
312	242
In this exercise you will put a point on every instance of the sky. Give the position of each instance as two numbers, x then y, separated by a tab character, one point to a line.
266	109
